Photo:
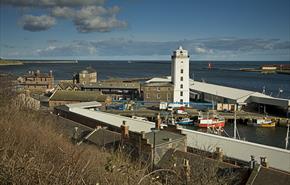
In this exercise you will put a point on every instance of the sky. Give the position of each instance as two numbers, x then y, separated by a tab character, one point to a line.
145	29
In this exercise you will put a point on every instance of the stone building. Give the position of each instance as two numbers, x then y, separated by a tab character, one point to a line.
37	81
158	92
87	76
115	89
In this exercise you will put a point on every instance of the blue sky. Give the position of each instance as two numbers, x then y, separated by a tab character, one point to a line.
145	29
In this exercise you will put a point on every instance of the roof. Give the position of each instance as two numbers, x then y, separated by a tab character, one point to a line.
81	96
201	166
218	90
88	70
271	176
39	75
115	120
85	104
155	80
239	95
112	85
103	137
65	85
158	84
163	136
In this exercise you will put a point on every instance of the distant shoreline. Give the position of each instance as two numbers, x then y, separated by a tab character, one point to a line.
10	63
16	62
51	62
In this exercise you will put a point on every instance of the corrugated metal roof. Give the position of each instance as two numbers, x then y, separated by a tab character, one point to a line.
85	104
116	120
228	92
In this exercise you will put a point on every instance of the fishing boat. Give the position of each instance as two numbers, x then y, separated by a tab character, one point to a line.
214	121
264	122
184	121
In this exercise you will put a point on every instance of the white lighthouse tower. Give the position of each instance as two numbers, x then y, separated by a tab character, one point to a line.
180	75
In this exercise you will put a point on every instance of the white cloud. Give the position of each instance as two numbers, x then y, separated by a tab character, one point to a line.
62	12
37	23
97	18
51	3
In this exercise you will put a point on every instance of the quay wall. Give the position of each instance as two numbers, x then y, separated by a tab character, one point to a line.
241	150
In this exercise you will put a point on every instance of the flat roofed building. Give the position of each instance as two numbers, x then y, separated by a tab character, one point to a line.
158	92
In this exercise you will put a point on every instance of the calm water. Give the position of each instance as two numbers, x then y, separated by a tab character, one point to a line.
223	73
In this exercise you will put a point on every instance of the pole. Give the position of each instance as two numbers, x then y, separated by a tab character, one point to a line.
153	156
287	137
235	123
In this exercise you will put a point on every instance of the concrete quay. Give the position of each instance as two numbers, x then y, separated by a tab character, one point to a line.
242	117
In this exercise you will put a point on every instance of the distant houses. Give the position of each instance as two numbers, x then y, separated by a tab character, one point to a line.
36	81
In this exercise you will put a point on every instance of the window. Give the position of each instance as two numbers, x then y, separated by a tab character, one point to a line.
158	96
181	100
158	88
181	78
181	86
181	93
181	71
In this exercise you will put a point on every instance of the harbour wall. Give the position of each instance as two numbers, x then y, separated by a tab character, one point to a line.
241	150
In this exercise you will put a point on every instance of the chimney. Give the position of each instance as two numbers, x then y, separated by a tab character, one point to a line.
264	162
218	154
143	134
252	162
124	130
186	168
50	73
158	122
75	137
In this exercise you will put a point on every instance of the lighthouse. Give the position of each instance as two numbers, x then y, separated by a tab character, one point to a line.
180	76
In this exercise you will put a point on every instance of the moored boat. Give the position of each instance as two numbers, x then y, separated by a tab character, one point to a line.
264	122
211	122
214	121
184	121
